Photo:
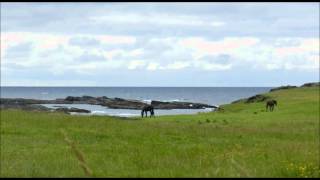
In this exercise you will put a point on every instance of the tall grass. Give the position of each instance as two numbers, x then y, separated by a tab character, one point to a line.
242	141
79	155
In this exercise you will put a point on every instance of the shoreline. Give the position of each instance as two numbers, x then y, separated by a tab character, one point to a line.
118	103
65	105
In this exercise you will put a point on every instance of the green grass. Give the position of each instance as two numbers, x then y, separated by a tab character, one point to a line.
242	141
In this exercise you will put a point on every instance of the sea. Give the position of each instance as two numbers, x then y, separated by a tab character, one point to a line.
208	95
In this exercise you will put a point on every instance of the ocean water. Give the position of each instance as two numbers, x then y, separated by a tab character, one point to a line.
208	95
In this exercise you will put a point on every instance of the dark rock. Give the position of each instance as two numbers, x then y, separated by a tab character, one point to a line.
37	107
25	101
311	84
282	87
25	107
118	99
71	98
87	98
103	98
116	103
68	110
257	98
179	105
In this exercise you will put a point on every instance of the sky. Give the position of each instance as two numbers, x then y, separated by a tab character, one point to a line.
159	44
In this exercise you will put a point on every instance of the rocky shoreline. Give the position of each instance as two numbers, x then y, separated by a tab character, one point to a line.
261	98
112	103
119	103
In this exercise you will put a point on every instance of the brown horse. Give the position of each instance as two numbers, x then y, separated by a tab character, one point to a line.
147	108
270	104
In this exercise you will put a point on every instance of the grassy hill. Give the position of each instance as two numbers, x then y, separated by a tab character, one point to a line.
241	141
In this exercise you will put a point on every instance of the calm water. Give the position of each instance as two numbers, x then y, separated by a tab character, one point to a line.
208	95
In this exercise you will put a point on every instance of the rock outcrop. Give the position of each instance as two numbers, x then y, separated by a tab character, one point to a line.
179	105
311	84
40	108
282	87
26	107
257	98
69	110
252	99
113	103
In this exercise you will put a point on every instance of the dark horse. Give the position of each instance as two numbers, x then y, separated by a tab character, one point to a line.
270	104
147	108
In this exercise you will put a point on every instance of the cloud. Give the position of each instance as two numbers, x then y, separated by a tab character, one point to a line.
136	64
112	39
166	19
309	45
228	45
51	41
163	19
163	40
18	51
84	41
87	57
121	53
88	53
10	39
178	65
152	66
209	66
218	59
40	40
112	54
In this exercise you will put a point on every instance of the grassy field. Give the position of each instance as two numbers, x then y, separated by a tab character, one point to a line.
242	141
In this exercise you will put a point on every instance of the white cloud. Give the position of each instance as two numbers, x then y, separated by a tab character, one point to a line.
272	66
156	19
45	41
112	39
120	53
307	45
41	40
136	64
110	54
152	66
136	52
55	53
54	50
212	66
160	38
228	45
178	65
